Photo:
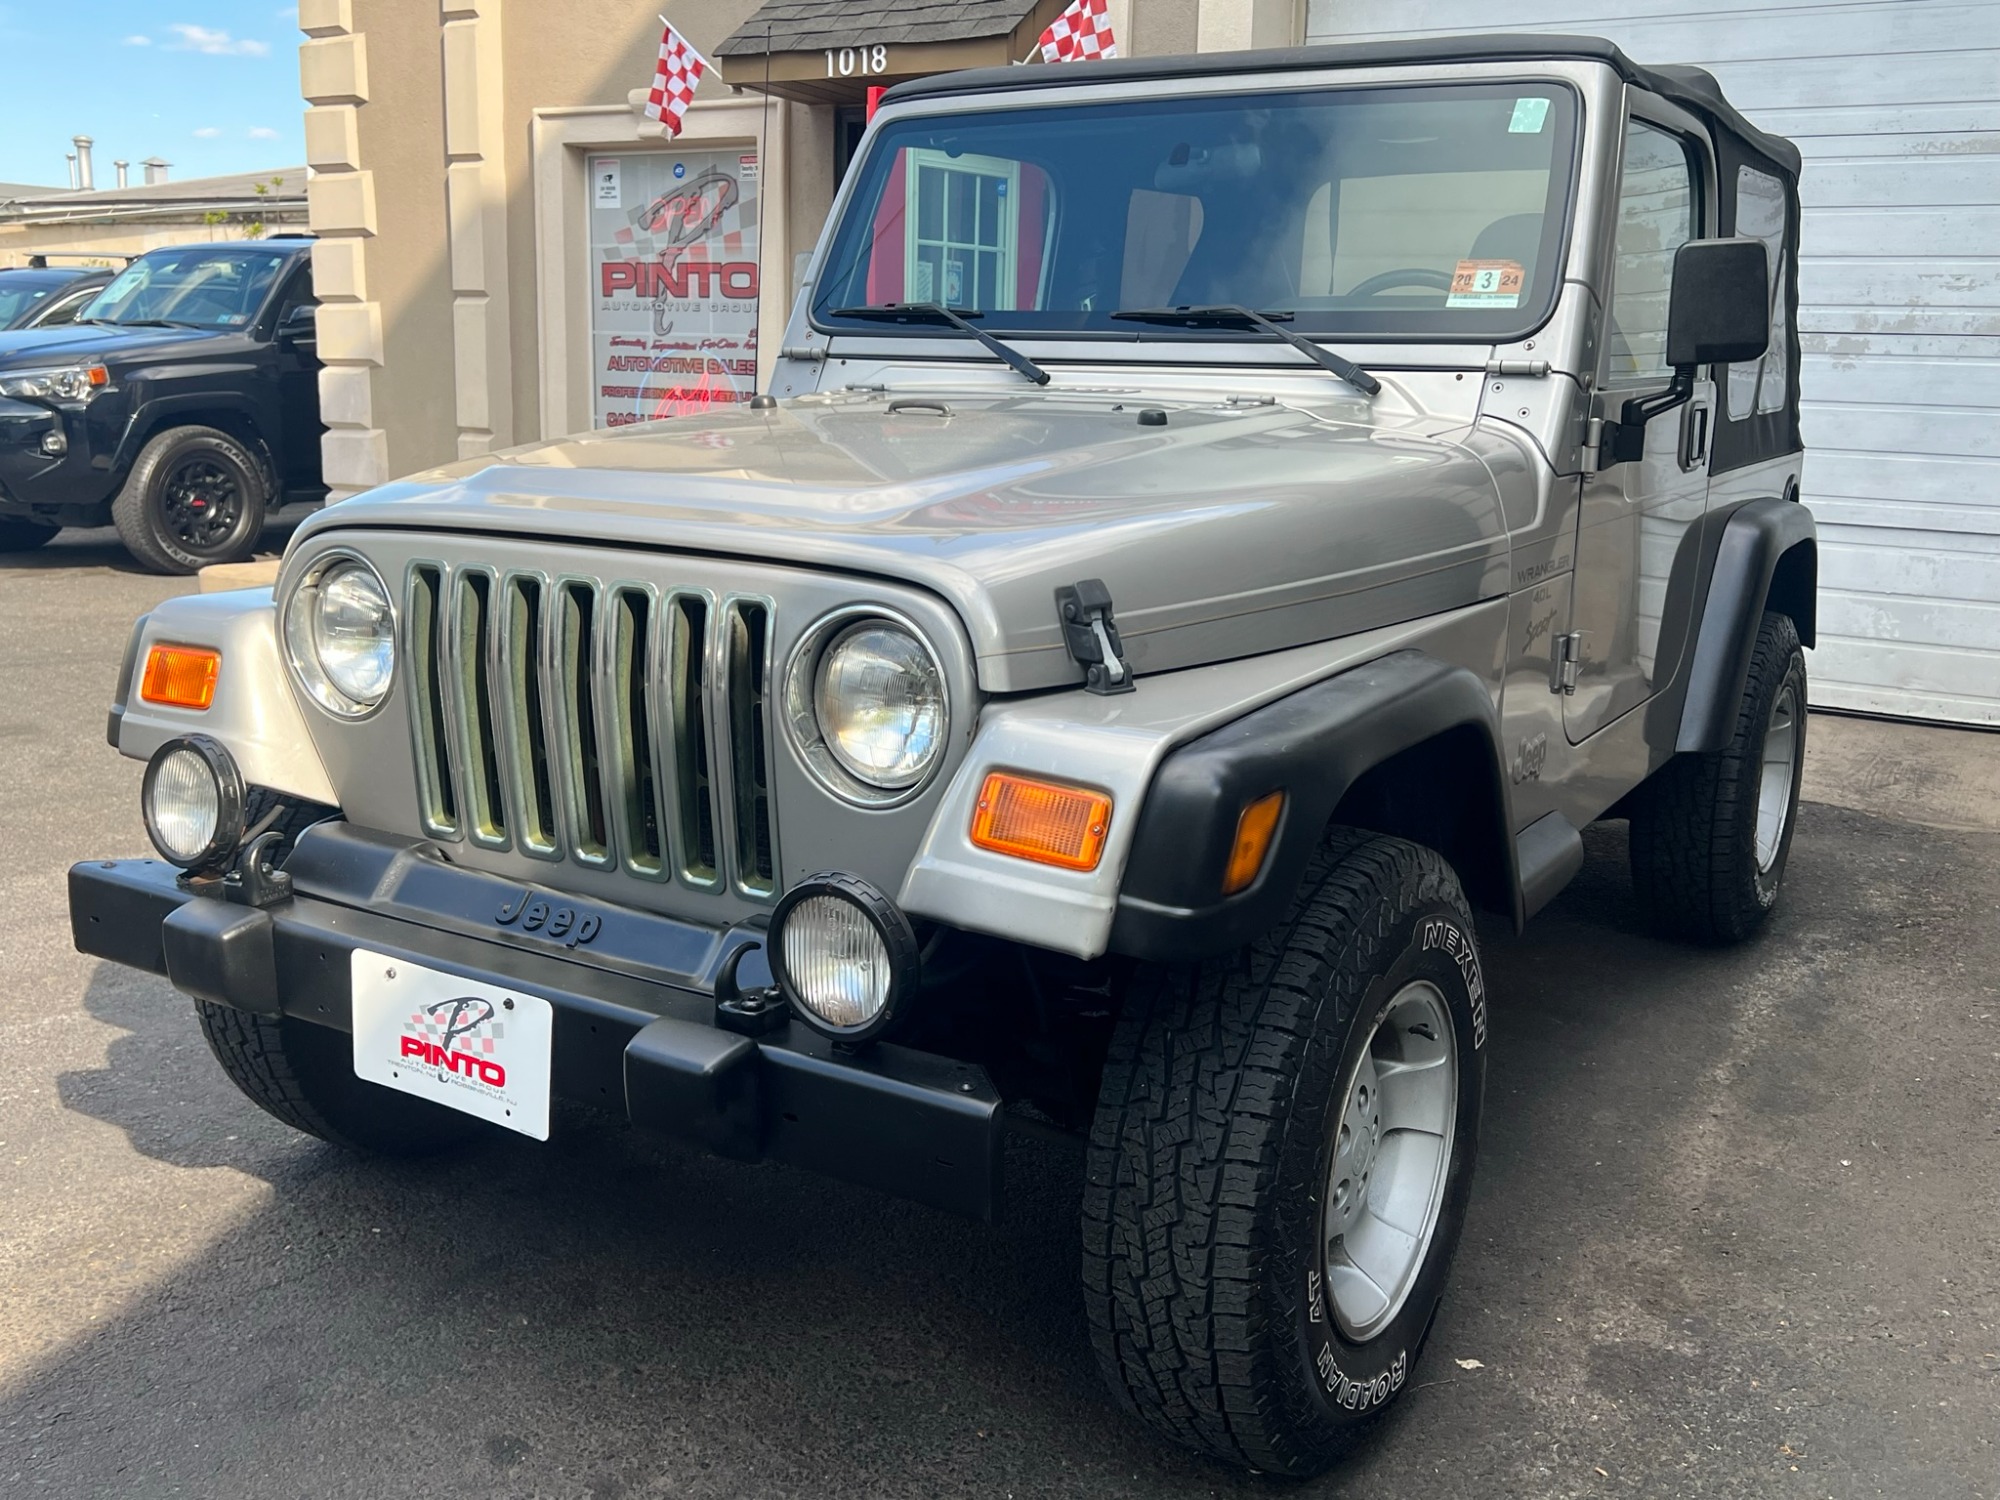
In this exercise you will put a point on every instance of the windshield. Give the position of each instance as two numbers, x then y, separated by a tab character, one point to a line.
19	293
1428	212
206	288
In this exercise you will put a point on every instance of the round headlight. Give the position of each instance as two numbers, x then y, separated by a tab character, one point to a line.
192	799
867	703
340	632
844	955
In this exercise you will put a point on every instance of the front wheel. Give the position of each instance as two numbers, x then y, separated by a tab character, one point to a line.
195	496
1280	1164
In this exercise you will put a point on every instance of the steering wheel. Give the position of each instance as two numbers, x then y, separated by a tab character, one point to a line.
1382	281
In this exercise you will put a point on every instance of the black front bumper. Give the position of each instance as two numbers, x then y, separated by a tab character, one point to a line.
634	1014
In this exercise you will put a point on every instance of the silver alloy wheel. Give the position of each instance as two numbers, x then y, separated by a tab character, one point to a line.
1774	782
1390	1161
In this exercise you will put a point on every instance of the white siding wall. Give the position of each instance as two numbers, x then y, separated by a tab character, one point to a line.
1896	107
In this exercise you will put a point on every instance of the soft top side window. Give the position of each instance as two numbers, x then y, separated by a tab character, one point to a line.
1760	214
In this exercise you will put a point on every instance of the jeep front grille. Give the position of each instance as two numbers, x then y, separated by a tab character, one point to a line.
616	725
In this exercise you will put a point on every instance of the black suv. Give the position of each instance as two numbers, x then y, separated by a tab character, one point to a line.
181	405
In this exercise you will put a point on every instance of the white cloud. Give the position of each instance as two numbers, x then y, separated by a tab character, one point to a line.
138	41
207	133
262	133
215	43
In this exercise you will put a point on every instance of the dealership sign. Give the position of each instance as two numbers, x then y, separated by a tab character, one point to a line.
674	283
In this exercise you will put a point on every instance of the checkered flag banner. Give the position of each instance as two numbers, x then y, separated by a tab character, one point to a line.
1080	34
674	78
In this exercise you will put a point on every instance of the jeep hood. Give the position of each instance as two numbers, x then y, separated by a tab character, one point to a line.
1229	531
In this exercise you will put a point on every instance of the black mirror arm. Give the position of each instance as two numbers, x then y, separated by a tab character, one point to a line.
1624	441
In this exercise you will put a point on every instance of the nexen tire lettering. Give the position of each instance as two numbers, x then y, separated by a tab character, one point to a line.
462	1063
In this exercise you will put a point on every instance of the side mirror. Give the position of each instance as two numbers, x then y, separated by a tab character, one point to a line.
301	326
1718	313
1720	310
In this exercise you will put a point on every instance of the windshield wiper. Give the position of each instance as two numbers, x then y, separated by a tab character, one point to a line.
937	312
1229	312
146	323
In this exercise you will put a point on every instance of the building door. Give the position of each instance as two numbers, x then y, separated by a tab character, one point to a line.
1894	108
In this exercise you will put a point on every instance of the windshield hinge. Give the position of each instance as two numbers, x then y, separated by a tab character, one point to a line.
1567	663
1533	369
1092	636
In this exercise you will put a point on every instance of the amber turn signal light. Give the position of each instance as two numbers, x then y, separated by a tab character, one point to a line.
1254	832
180	676
1043	821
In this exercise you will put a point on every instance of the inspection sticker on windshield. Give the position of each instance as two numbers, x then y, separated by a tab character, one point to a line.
1528	117
1486	283
471	1047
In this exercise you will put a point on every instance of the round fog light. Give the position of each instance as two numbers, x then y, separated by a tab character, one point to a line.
845	956
192	799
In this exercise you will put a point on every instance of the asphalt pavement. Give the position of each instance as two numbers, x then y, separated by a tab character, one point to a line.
1736	1230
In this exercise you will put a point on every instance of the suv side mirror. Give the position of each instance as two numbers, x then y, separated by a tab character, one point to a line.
300	326
1720	310
1718	313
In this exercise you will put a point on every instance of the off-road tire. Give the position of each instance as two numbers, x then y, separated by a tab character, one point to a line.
140	511
1209	1158
303	1075
1694	825
19	534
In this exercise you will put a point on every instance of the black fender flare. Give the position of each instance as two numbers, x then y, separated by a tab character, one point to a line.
1314	745
1767	555
157	414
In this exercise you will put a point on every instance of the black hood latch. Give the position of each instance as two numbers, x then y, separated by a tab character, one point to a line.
1092	637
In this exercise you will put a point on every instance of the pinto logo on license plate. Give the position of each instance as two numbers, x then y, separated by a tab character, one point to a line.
471	1047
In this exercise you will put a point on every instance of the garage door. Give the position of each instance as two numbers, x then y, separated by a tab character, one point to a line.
1896	107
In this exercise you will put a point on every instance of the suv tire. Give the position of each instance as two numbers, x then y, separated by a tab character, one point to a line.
1235	1136
1711	833
303	1075
19	534
195	496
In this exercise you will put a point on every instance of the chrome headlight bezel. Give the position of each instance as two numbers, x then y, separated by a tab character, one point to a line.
801	713
296	629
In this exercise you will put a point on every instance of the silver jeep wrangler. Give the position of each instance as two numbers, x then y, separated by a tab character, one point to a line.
1216	523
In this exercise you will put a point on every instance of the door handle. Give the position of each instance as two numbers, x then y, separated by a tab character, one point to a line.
1694	435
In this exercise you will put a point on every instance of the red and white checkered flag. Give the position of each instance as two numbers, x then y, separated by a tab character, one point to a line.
1080	34
674	78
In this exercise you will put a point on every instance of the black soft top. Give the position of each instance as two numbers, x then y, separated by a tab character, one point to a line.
1693	89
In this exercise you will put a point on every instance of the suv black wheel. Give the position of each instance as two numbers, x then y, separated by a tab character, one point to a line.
1711	833
1280	1163
18	534
195	496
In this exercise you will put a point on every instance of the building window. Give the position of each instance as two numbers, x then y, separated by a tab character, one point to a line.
963	217
673	266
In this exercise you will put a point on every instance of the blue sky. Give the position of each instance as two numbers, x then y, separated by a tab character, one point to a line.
211	85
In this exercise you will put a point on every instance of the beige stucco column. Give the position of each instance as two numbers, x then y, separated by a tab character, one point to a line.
333	74
475	141
1237	25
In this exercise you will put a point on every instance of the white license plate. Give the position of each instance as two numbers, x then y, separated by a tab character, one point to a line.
468	1046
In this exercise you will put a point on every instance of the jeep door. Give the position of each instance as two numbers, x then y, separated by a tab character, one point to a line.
1634	578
